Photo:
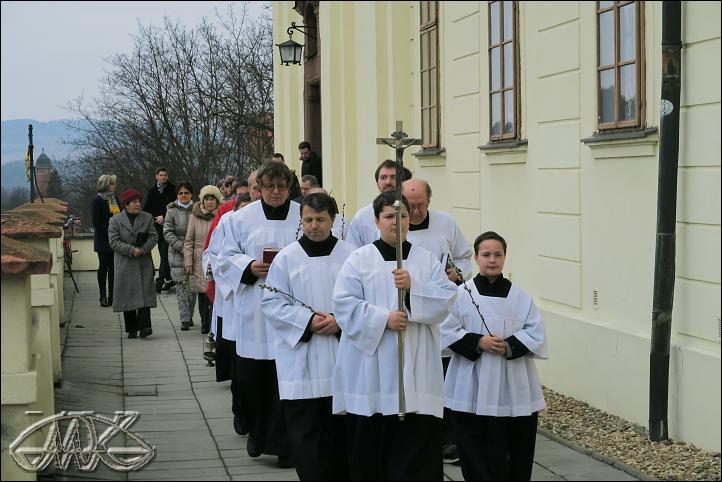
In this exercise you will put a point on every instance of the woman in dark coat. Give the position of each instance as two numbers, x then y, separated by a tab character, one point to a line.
132	235
104	206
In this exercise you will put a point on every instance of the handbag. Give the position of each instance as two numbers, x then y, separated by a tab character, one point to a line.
141	239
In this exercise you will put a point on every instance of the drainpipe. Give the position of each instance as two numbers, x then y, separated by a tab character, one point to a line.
664	261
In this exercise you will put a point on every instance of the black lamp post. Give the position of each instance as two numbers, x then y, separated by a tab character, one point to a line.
290	50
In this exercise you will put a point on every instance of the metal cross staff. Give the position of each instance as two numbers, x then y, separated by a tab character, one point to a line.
399	141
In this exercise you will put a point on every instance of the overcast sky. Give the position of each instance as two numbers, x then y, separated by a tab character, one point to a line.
53	52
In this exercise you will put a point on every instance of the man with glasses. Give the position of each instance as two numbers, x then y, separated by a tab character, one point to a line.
438	233
362	230
253	235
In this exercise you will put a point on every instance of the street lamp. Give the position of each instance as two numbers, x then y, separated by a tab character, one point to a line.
290	50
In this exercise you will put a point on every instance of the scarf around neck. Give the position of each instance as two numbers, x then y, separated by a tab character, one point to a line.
113	205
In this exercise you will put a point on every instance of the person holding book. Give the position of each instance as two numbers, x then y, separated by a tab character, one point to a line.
253	235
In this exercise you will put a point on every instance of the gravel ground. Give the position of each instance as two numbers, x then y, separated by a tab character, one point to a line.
625	441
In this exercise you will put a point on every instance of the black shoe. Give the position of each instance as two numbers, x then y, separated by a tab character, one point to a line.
251	448
158	285
167	284
146	332
104	302
133	334
205	331
450	454
184	325
190	323
238	426
285	462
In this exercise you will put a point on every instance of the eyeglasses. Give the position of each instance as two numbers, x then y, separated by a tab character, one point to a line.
273	187
413	207
184	193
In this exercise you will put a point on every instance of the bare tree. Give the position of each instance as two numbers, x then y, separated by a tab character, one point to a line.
198	101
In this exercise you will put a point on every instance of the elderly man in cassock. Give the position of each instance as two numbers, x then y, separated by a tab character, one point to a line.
366	382
362	230
492	386
253	236
307	340
439	233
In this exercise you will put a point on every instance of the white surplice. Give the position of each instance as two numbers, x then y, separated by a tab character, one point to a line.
223	304
366	375
443	237
492	385
362	230
247	233
304	369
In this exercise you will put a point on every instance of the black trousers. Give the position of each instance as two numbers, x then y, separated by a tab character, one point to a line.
225	355
260	403
164	269
237	398
136	319
205	309
105	271
447	430
318	439
495	448
384	448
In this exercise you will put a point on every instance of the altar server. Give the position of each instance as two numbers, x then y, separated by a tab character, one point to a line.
306	342
362	230
253	235
492	386
366	383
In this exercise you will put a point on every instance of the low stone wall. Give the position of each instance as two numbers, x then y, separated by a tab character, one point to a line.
85	259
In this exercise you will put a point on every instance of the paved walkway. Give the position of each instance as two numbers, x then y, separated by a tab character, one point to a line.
184	413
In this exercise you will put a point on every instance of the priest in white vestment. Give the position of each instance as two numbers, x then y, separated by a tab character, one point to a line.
253	236
366	384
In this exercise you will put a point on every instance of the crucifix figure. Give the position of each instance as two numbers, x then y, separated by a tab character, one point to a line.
399	141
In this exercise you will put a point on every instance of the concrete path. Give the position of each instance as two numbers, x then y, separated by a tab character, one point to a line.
184	413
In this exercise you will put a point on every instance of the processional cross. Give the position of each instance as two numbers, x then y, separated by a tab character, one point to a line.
399	141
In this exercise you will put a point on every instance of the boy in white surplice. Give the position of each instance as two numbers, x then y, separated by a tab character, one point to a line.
366	382
492	386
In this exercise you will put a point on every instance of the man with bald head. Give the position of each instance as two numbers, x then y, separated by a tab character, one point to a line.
435	230
438	233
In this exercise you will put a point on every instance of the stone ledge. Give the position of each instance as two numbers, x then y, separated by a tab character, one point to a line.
20	259
17	226
50	206
41	215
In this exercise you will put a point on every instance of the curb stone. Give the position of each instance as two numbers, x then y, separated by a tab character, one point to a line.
636	473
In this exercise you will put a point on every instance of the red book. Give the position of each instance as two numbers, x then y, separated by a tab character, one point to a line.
269	254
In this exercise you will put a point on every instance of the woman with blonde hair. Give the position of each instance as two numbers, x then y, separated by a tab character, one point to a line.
199	224
104	206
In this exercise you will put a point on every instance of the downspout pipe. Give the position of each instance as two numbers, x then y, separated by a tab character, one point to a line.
664	262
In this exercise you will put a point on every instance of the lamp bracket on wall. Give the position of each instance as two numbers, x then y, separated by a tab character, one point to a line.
304	29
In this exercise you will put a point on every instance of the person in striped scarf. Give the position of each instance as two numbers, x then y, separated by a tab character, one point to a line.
104	206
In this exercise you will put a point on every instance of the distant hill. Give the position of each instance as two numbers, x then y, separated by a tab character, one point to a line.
13	175
46	135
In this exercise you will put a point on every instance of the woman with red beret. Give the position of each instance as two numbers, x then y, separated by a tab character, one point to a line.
132	235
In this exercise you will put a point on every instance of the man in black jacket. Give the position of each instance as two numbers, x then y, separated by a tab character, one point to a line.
159	196
310	162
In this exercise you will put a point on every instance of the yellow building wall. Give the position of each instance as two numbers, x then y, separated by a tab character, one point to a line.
580	218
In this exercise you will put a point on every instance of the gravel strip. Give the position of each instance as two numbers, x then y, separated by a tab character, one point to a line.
618	439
